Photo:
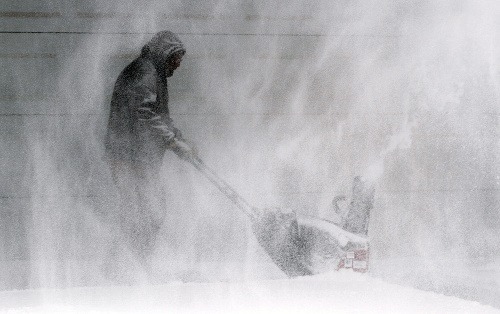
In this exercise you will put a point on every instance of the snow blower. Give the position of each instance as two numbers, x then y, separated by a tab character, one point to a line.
302	245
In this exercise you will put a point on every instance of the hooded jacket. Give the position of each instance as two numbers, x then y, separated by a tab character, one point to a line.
139	126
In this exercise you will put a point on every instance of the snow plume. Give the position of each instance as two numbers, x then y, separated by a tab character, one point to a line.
438	196
400	140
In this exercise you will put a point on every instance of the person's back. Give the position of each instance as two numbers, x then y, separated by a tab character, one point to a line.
139	125
139	132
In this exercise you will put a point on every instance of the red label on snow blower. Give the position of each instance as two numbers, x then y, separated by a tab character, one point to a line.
356	260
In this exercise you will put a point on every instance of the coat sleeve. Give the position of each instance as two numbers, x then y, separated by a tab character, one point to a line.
162	125
146	101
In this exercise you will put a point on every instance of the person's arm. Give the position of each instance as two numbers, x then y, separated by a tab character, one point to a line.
154	120
164	126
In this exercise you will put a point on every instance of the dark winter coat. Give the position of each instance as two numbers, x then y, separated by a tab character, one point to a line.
139	127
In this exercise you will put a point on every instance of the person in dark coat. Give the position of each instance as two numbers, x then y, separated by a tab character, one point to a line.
139	133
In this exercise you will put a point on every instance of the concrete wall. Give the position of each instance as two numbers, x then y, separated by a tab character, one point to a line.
287	102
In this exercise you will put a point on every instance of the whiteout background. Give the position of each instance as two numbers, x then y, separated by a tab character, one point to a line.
288	102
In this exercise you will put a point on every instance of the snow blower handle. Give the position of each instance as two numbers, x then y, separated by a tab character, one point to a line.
224	187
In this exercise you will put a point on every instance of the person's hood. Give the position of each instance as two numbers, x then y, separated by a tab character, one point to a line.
160	48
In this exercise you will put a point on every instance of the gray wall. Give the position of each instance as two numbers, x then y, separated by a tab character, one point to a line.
288	103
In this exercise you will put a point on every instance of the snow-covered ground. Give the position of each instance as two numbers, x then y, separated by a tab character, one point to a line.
336	292
478	281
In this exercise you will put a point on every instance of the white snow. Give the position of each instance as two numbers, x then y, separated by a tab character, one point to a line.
343	236
335	292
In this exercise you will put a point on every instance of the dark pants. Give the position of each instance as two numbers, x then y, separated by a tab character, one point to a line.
142	201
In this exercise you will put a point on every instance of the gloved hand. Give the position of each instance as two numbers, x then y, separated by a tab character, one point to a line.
182	149
177	132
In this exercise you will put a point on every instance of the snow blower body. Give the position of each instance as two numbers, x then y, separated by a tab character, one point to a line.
299	245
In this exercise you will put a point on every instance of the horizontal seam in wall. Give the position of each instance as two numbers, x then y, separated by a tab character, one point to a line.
380	193
201	17
230	114
202	34
24	14
27	55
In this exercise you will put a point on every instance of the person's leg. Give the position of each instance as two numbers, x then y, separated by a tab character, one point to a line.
141	211
120	263
150	207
